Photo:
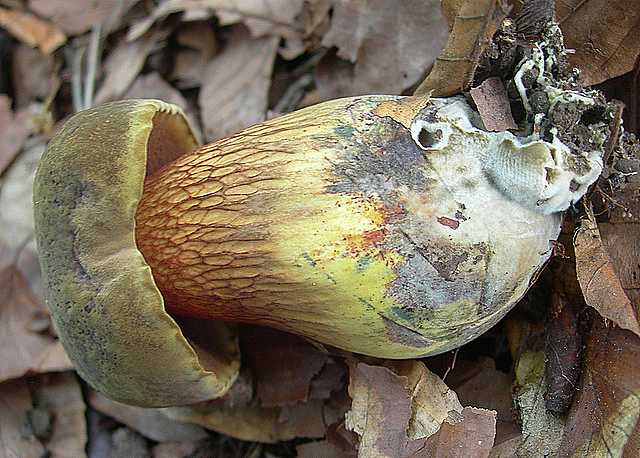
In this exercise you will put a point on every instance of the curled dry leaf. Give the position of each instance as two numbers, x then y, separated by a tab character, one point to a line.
563	349
198	46
598	279
76	17
260	424
388	49
478	383
473	27
15	403
322	449
604	418
24	347
151	423
283	365
235	86
405	410
469	436
279	18
34	75
173	449
14	130
603	35
32	30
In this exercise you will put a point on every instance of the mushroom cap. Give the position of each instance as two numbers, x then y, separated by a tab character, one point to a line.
106	308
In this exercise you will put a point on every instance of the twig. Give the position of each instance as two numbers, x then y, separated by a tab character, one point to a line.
76	78
92	65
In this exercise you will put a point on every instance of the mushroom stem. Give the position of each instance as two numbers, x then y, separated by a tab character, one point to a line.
335	223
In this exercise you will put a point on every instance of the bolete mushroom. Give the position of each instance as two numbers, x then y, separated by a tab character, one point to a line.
389	226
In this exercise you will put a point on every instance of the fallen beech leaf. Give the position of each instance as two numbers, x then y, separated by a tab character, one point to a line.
432	401
76	17
198	46
259	424
34	75
563	347
31	30
493	105
263	17
389	47
61	397
470	436
15	402
235	86
480	384
320	449
621	234
475	23
603	35
124	64
151	423
283	365
598	280
380	411
23	350
173	449
14	130
397	409
603	420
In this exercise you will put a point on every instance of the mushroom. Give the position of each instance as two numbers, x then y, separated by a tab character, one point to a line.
389	226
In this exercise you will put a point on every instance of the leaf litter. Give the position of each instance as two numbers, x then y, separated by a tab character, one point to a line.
232	63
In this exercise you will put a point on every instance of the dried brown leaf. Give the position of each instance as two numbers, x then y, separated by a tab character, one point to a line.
470	436
123	65
493	105
235	86
480	384
386	46
76	17
16	441
32	30
173	449
60	395
14	130
598	279
151	423
432	401
34	75
260	424
322	449
24	348
380	411
603	34
401	410
282	365
262	17
603	420
475	23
